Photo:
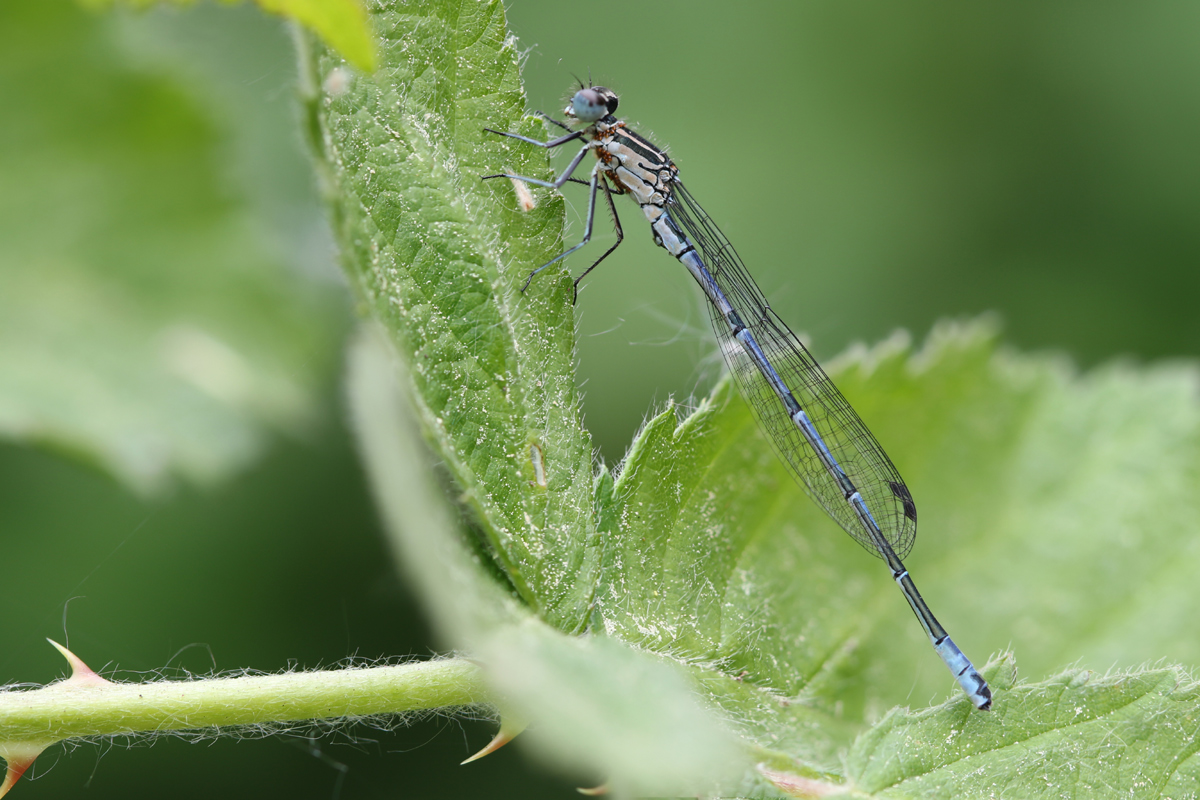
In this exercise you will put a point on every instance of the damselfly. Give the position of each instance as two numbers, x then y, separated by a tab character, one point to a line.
813	428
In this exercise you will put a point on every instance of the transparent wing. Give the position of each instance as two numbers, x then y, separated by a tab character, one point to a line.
845	434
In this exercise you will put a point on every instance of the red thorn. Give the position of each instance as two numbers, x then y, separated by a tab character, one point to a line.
508	731
595	791
19	757
81	673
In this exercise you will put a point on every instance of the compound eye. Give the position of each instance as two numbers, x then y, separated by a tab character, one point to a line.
588	105
609	97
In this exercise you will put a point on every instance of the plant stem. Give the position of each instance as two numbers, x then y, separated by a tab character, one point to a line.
65	710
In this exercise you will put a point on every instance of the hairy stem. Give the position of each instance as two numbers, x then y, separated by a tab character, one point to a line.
68	709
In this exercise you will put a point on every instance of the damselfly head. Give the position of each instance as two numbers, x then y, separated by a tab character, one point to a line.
589	105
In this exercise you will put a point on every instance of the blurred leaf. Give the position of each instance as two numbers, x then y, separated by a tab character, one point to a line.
1051	505
341	23
143	324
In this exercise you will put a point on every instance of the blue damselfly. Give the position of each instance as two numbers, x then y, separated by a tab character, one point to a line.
812	427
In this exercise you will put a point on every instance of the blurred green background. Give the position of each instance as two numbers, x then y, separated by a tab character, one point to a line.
878	167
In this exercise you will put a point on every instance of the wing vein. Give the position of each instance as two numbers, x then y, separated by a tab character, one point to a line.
851	443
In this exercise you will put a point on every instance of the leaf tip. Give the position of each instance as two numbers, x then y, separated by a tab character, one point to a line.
1001	670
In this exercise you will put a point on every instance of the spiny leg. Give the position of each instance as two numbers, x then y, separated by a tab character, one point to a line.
587	233
552	120
612	208
558	182
552	143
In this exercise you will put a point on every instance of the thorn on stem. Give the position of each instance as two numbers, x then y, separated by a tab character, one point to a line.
19	755
81	673
18	758
595	791
508	731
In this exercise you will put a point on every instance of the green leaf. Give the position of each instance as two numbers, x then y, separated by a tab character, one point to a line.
1030	482
1055	509
144	323
620	714
1128	734
341	23
437	256
490	371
